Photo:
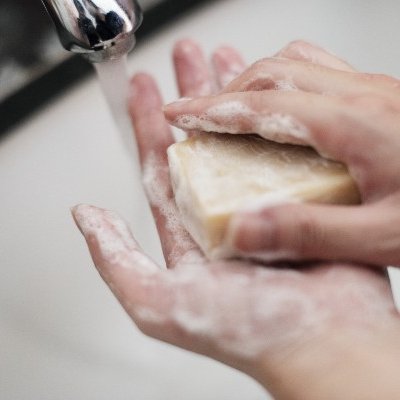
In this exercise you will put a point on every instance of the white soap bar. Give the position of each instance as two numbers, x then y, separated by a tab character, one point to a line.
216	175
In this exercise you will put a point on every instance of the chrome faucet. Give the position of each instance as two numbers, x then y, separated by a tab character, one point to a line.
100	30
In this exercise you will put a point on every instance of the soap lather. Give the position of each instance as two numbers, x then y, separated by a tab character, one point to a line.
99	31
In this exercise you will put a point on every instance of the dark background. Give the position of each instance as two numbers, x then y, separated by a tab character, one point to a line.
34	68
28	46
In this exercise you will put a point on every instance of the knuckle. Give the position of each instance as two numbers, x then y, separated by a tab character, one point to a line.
298	43
277	234
307	234
259	63
260	68
293	228
263	74
295	47
269	63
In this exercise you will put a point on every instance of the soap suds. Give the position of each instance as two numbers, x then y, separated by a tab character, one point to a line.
237	310
285	85
287	316
282	128
158	192
112	235
194	305
360	288
229	109
156	182
193	122
149	315
236	118
223	118
116	244
202	295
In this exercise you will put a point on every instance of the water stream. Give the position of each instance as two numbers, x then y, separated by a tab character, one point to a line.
114	81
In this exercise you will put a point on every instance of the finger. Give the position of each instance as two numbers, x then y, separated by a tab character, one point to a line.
170	306
308	119
303	51
154	137
367	234
295	117
228	64
288	75
191	69
136	281
110	241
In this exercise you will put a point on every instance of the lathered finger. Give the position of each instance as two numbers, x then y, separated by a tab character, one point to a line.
290	75
304	51
278	116
228	64
141	287
154	136
110	241
338	129
326	232
191	69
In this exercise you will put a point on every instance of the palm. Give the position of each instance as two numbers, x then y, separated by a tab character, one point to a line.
235	311
238	311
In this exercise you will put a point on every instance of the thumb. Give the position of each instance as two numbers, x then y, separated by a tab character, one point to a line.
368	233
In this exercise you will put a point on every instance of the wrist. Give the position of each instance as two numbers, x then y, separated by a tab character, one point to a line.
342	363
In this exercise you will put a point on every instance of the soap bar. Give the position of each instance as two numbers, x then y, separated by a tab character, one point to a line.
215	175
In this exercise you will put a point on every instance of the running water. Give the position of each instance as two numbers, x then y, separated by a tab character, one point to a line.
114	81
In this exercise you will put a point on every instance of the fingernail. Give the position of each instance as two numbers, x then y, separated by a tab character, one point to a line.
185	47
176	105
133	90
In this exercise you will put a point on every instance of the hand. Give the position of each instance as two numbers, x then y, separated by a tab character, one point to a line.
307	96
289	329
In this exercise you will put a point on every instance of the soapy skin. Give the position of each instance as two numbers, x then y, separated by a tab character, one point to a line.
305	333
346	116
240	310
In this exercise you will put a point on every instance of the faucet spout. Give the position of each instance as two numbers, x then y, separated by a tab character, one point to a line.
100	30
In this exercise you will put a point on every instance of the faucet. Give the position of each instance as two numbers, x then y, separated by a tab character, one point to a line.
99	30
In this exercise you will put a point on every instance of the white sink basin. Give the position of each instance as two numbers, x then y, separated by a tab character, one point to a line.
62	334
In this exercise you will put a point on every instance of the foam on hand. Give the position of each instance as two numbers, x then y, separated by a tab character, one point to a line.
234	117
